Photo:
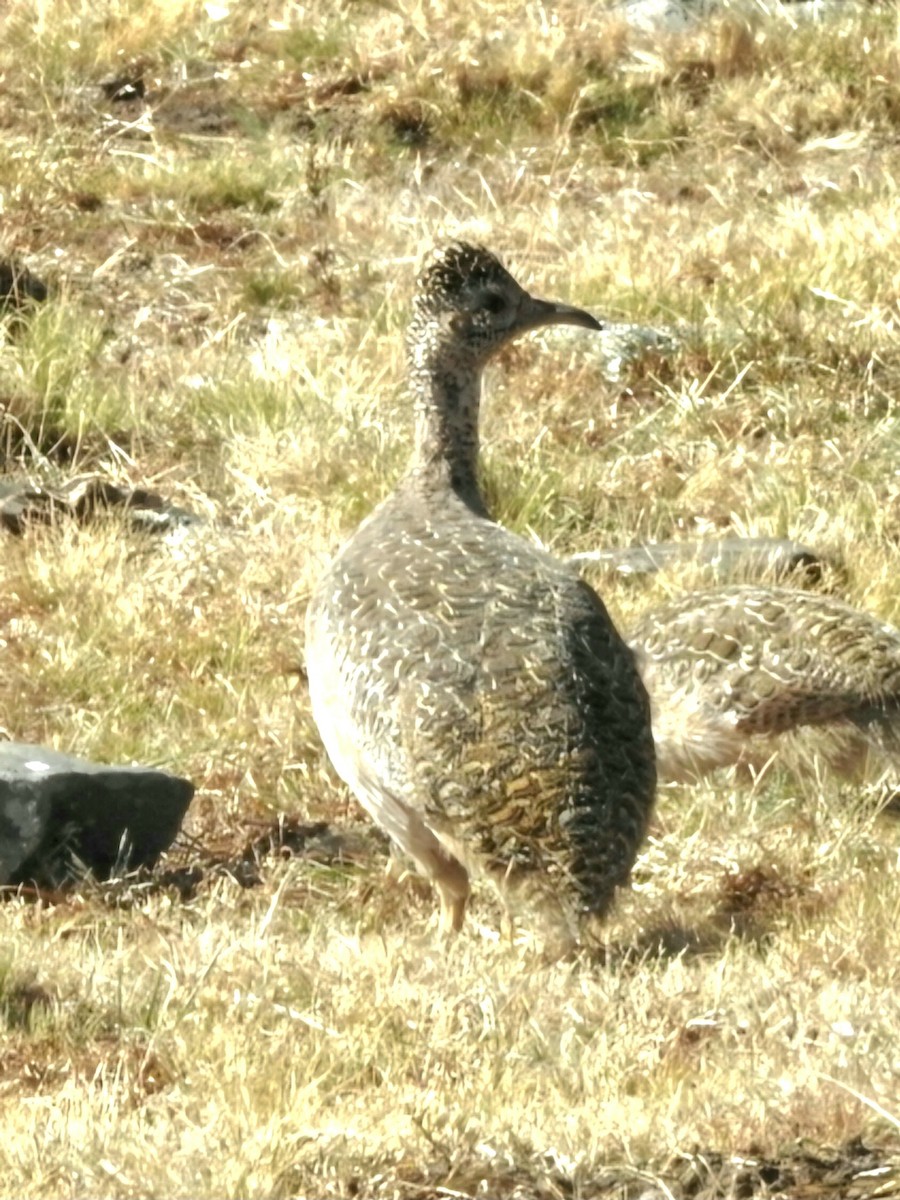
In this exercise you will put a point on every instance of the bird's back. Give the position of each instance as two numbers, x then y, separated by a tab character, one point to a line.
738	661
482	683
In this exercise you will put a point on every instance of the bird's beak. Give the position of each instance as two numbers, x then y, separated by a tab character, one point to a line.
536	313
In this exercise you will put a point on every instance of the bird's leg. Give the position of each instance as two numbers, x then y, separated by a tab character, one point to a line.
394	868
441	866
452	885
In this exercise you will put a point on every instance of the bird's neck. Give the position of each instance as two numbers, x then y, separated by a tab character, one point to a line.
445	455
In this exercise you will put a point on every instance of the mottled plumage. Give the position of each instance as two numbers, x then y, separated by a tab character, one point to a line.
729	668
471	689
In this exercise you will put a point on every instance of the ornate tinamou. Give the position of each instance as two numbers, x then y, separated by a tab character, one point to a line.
729	668
470	688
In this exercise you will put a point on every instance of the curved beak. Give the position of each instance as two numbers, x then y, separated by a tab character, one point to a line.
536	313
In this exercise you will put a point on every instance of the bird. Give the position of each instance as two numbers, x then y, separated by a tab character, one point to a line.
470	688
732	670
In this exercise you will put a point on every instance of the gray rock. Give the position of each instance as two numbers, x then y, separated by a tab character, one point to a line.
86	498
677	16
751	557
621	345
24	815
61	815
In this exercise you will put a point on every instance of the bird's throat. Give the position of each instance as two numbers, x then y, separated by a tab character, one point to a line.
445	454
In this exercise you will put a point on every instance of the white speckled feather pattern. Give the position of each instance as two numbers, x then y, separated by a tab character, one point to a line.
732	664
471	689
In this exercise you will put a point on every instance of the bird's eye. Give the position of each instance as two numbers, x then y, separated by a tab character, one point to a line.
494	302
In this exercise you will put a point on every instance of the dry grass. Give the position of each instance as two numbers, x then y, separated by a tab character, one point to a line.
231	260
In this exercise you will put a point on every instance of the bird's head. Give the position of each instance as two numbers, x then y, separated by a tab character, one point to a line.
467	301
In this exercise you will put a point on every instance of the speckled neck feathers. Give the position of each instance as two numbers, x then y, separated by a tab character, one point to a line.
446	387
446	352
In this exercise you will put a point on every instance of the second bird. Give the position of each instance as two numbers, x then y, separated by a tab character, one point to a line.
471	689
731	669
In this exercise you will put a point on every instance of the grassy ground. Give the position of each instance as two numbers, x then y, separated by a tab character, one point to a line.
232	257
